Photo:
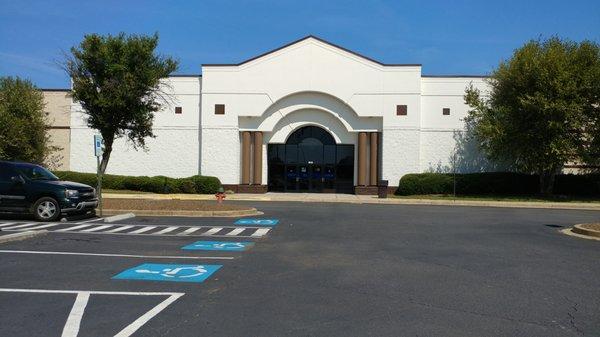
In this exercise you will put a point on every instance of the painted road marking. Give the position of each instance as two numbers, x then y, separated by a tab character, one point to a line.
236	231
119	229
189	231
80	301
143	230
72	228
71	328
260	232
212	231
7	224
43	226
133	229
7	251
166	230
169	272
22	226
219	245
257	222
96	228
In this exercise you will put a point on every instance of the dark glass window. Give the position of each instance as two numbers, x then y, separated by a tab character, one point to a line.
311	161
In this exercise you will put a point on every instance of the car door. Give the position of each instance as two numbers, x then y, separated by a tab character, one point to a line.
12	192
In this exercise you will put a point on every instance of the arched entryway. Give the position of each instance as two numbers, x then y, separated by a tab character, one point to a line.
311	161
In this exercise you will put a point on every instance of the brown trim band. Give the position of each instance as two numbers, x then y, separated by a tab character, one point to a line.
58	128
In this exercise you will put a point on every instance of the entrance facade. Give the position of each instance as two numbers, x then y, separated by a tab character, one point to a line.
310	161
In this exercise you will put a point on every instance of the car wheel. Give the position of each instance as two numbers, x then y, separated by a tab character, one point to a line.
46	209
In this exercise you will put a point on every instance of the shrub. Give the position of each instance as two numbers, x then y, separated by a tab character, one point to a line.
424	183
157	184
500	183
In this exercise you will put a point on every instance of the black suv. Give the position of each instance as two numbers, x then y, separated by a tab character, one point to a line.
30	188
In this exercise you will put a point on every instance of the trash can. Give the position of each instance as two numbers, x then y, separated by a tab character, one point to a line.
382	189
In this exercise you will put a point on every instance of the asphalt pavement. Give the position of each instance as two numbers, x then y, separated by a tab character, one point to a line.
323	270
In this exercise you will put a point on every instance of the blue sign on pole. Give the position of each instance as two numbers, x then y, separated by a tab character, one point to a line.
169	272
219	245
257	222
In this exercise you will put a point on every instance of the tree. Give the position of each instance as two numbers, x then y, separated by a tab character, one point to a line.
116	79
542	110
23	122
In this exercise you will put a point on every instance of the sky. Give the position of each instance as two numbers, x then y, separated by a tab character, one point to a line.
447	37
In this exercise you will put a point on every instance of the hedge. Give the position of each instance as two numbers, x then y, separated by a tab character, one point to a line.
157	184
496	183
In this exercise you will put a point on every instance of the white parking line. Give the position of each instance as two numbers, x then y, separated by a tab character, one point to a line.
260	232
119	229
7	224
95	229
71	328
212	231
23	225
166	230
236	231
143	230
189	230
72	228
41	252
43	226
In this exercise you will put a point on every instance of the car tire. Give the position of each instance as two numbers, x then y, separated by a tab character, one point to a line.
46	209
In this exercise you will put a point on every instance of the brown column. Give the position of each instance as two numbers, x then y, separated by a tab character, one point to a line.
362	159
373	170
258	147
246	157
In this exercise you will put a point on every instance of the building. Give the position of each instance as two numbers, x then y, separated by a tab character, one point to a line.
57	106
309	116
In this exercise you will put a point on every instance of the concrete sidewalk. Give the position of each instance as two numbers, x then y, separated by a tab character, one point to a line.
361	199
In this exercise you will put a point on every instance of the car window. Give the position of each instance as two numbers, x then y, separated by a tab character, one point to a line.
35	172
6	173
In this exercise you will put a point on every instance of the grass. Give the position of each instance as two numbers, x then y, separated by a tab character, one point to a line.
531	198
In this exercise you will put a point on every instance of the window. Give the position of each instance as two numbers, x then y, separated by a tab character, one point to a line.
178	110
446	111
219	109
401	110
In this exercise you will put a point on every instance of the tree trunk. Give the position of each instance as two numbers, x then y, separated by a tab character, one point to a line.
105	155
547	181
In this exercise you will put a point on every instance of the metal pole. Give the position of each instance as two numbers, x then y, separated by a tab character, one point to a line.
99	186
454	173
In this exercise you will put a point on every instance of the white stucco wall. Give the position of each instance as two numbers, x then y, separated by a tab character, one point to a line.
175	150
442	136
307	83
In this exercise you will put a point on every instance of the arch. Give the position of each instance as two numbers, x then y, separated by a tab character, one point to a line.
312	135
314	100
306	117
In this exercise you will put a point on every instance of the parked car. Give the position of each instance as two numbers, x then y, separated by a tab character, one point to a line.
30	188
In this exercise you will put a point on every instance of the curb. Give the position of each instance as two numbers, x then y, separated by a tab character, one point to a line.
579	229
21	236
592	206
241	213
119	217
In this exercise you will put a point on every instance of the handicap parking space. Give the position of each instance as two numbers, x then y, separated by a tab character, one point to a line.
136	259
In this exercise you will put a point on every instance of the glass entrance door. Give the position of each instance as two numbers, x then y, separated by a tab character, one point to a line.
311	161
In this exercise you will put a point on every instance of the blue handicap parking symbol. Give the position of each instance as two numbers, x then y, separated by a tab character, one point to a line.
169	272
219	245
257	222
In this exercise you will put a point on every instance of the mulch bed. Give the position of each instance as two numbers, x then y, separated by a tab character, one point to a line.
169	205
592	226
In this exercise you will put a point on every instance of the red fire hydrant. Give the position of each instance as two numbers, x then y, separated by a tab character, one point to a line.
220	195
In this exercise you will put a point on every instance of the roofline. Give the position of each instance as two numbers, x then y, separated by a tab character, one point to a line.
318	39
455	76
185	75
56	89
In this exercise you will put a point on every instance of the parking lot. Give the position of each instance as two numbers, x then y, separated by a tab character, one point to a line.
309	270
